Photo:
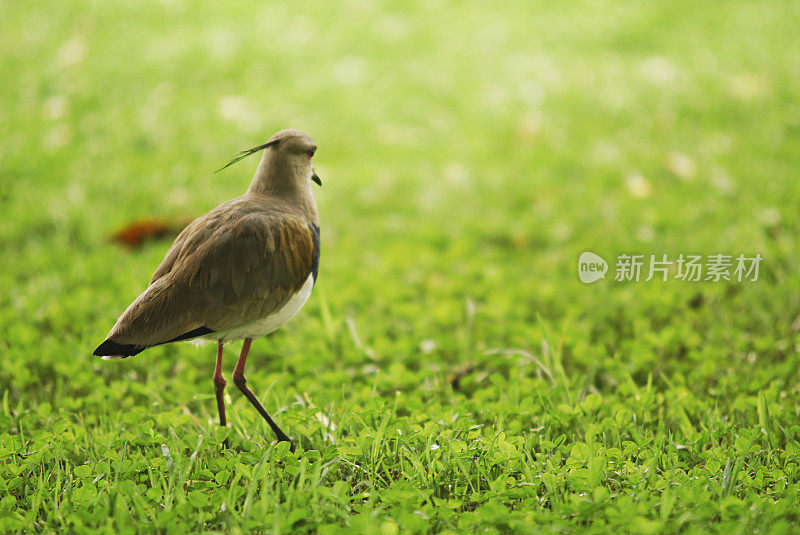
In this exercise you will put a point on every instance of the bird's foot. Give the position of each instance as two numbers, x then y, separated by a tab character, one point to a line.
285	438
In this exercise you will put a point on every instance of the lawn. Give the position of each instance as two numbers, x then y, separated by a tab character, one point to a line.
450	372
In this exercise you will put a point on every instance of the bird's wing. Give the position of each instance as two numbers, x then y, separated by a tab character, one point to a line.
169	260
246	268
238	263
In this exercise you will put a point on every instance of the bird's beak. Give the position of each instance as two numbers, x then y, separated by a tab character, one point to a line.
315	178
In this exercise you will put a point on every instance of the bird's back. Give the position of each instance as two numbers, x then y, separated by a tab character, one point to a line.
239	263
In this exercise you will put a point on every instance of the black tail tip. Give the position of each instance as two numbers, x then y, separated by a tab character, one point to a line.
110	348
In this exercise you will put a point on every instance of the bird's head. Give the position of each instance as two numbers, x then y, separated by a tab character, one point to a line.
288	155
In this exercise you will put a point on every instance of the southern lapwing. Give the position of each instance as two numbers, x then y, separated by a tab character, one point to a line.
239	272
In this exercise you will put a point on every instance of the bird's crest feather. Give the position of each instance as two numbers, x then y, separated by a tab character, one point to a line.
245	153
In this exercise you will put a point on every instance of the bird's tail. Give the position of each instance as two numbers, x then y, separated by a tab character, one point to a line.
111	350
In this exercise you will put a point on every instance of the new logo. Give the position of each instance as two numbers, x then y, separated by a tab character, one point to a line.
591	267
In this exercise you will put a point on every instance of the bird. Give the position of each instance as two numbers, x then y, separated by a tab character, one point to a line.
239	272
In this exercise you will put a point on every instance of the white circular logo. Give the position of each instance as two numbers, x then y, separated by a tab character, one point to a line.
591	267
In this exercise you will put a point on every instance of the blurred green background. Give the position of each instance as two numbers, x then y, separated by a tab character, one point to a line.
469	152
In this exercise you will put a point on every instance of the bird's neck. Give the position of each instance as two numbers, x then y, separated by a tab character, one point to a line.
287	180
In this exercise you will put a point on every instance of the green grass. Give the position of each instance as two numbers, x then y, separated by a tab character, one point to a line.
450	371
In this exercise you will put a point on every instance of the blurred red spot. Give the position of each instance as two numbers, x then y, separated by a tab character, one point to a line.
136	233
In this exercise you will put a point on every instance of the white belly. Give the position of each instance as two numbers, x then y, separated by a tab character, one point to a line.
264	326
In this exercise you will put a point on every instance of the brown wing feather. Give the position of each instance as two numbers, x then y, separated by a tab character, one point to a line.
174	251
240	262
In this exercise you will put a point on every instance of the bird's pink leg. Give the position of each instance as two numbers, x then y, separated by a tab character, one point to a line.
241	382
219	389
